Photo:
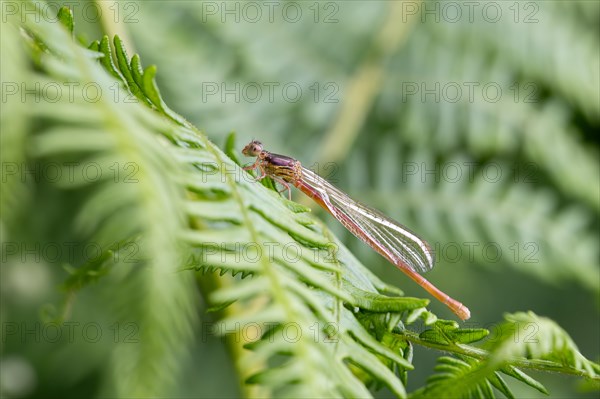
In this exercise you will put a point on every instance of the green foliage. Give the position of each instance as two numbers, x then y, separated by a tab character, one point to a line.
534	337
328	327
451	369
522	336
140	206
446	332
540	134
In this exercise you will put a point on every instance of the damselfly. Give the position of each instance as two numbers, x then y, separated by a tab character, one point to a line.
395	242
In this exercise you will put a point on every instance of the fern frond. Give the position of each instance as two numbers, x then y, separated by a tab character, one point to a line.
465	377
450	370
525	341
111	207
534	337
307	293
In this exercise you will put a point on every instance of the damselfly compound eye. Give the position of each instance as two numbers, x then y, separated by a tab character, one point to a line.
253	148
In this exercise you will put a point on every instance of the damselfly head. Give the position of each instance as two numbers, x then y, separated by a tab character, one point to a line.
253	148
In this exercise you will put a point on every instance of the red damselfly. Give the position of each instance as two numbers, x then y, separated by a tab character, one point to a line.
395	242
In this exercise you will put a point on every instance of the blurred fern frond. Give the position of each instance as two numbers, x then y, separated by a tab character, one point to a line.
526	227
114	185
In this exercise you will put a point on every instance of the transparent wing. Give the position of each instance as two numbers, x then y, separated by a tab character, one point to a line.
388	237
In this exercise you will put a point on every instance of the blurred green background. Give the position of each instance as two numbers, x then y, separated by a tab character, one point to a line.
473	123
